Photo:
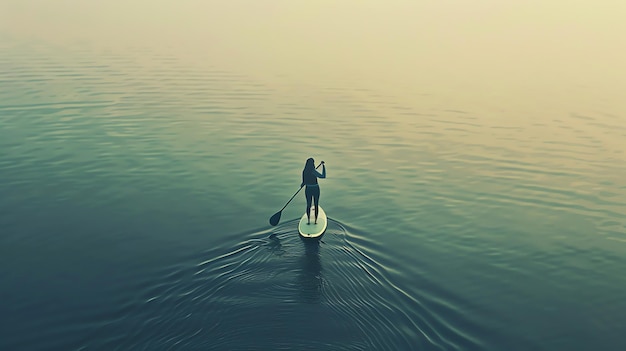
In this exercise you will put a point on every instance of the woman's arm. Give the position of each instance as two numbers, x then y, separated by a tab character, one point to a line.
323	175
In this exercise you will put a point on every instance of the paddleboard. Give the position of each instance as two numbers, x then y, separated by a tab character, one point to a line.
313	230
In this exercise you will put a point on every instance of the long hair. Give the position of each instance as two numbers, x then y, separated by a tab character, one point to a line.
309	166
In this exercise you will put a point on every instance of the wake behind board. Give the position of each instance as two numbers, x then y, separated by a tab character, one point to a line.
313	230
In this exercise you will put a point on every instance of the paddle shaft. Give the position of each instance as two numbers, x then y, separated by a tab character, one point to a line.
294	195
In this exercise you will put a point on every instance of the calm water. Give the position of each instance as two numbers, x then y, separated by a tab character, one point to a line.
476	175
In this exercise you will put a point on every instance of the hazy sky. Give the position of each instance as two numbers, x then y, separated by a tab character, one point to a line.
494	48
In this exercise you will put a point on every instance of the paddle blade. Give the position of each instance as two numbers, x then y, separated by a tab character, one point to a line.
275	218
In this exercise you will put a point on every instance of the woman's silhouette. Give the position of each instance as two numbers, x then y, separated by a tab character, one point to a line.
312	191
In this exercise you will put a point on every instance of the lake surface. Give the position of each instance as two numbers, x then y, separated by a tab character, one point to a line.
476	175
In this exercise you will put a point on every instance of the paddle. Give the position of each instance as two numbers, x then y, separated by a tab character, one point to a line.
276	217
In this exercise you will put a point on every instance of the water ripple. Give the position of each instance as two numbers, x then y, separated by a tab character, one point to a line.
272	280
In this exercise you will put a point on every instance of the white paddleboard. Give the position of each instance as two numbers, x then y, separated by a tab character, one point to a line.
313	230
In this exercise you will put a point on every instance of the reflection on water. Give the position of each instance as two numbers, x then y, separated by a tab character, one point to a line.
275	246
310	278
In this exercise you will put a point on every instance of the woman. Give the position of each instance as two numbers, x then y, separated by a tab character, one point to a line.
312	191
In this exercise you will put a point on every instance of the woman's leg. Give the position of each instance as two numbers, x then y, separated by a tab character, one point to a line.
316	197
309	197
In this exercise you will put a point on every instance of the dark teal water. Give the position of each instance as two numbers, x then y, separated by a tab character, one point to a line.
472	206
